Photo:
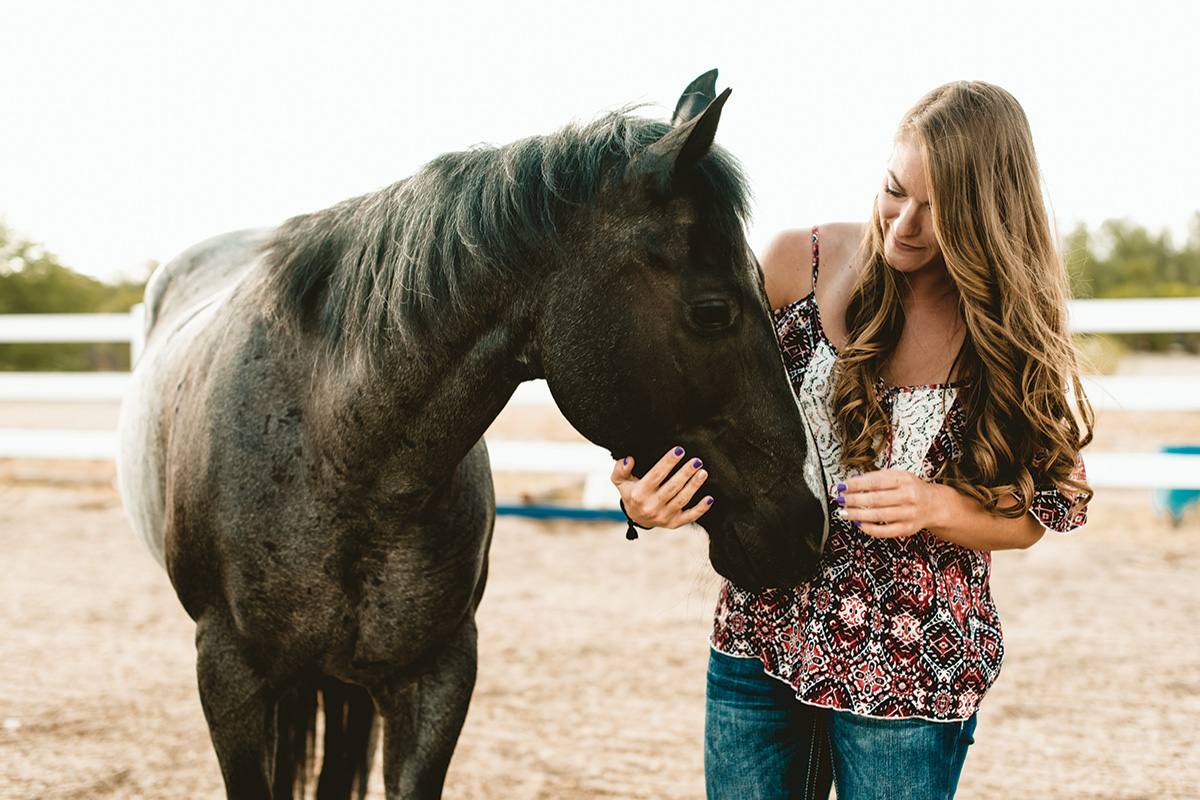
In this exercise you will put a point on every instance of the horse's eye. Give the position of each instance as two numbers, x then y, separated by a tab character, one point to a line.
711	315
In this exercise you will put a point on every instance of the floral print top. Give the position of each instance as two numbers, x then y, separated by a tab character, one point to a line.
889	628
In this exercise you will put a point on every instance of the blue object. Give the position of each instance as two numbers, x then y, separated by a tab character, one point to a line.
1176	501
760	742
560	512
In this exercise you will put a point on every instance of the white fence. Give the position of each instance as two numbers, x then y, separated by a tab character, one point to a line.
1132	470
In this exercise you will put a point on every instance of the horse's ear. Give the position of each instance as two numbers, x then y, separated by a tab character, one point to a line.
683	146
695	98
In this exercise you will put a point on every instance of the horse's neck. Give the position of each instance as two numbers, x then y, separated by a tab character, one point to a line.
416	414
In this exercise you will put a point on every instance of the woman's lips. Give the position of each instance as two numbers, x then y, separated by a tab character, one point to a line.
910	248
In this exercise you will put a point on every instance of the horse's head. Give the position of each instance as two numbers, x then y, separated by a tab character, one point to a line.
658	334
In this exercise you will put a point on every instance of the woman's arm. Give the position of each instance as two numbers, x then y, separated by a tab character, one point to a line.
891	503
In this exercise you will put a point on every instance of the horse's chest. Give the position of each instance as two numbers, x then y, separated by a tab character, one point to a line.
406	602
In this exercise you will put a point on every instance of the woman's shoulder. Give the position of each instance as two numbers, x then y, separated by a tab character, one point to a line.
787	261
787	266
839	243
842	236
789	258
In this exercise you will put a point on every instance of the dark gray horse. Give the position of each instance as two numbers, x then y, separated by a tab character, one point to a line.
301	445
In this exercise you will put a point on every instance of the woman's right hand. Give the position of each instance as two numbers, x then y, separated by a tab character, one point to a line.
656	501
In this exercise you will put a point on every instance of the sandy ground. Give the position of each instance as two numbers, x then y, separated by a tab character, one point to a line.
592	653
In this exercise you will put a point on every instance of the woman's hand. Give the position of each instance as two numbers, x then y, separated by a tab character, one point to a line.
654	501
888	503
892	503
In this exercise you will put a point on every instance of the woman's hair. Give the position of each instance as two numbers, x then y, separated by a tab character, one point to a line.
1018	359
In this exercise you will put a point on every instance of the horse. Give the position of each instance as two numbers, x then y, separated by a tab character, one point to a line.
301	445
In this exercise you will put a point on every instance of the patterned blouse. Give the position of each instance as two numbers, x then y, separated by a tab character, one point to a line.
892	628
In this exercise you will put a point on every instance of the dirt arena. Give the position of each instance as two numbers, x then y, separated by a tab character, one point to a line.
592	654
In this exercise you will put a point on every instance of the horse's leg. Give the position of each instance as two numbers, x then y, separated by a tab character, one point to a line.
423	717
240	710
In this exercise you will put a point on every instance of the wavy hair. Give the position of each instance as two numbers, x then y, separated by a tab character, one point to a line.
1020	426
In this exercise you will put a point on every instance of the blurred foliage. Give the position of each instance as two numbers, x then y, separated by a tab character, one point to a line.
1123	259
32	281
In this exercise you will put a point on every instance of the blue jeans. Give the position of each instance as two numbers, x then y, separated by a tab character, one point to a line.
761	743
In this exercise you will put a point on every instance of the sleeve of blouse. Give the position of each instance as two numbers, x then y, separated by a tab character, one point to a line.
1055	509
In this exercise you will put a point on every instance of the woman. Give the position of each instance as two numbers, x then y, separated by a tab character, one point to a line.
930	353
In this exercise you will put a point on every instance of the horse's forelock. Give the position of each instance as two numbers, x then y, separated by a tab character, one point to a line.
407	255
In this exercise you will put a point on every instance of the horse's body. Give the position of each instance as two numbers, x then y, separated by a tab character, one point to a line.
301	447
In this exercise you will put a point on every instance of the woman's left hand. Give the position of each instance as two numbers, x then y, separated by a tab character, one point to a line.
888	503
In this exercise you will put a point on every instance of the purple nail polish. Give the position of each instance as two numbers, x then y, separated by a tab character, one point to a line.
841	501
625	463
708	502
696	464
856	523
841	487
678	451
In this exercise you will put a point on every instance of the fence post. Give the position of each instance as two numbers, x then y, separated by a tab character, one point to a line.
137	334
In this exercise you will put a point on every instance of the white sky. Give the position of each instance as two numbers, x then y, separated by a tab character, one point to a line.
130	129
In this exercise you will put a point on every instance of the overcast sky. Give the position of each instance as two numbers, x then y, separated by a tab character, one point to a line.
132	128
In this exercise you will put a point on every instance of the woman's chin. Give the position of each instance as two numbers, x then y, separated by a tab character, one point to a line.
903	261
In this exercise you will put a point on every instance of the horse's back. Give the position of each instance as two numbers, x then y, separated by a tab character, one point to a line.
197	275
181	297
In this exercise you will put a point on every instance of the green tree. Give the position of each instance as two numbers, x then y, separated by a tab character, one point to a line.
32	281
1124	259
1080	263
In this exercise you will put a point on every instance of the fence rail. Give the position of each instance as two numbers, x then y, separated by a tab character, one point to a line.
1124	392
1138	393
63	328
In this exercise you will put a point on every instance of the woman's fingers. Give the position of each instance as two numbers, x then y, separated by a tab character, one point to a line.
689	515
683	485
658	498
882	503
658	473
622	471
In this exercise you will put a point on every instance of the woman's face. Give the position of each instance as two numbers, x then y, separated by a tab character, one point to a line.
909	240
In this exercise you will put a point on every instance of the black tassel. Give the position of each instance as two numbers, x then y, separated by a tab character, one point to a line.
631	532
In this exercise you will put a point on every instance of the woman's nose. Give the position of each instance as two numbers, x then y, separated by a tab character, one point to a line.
908	221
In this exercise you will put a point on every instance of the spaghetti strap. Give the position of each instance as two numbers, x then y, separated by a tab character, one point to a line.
816	251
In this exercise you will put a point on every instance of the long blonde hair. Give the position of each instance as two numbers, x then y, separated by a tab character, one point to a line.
1018	358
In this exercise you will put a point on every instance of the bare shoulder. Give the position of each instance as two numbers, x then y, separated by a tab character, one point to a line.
787	266
839	243
838	269
787	261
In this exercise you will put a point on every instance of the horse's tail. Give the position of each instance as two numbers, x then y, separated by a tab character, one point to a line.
348	744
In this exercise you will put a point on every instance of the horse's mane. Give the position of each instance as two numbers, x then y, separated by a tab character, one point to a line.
406	256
